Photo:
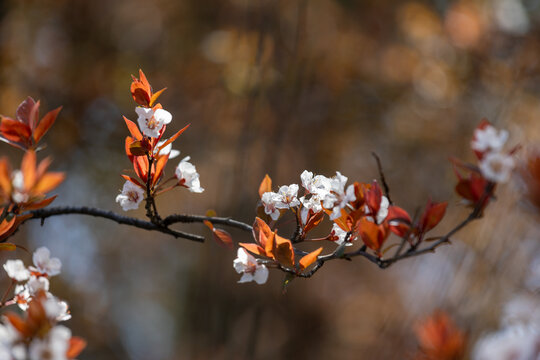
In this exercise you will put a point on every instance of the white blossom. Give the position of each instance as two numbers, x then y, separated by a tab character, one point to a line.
497	167
317	185
56	309
131	196
338	198
511	343
287	197
151	121
44	264
18	194
313	203
269	201
489	139
340	234
247	265
522	309
187	174
16	270
53	347
22	297
35	284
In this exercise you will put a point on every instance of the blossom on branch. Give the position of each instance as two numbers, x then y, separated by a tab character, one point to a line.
497	167
131	196
488	139
247	265
44	264
16	270
152	121
187	176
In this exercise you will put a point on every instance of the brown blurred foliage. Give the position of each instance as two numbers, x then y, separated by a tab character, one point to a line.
275	87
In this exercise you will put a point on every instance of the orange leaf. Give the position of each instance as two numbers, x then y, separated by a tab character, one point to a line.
253	248
209	224
310	258
371	234
15	131
28	168
18	324
174	137
48	182
262	232
160	165
141	90
46	122
39	204
140	164
129	178
223	238
284	252
313	220
266	185
7	247
43	166
5	176
133	129
76	346
155	96
7	225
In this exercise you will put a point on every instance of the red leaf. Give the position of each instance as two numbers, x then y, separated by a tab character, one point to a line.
134	181
44	125
174	137
432	216
253	248
223	238
24	110
133	129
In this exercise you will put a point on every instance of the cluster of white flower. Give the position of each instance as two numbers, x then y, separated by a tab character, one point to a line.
246	264
187	176
519	337
32	282
151	123
495	165
320	192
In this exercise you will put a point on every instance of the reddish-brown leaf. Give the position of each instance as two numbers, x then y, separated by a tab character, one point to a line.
133	180
253	248
7	246
174	137
14	130
48	182
371	233
223	238
133	129
160	165
266	185
24	110
283	252
432	215
28	169
309	259
39	204
46	122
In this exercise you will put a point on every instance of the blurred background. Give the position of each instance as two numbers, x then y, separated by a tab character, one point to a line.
277	87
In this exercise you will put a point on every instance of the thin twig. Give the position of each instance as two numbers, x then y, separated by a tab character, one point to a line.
383	179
